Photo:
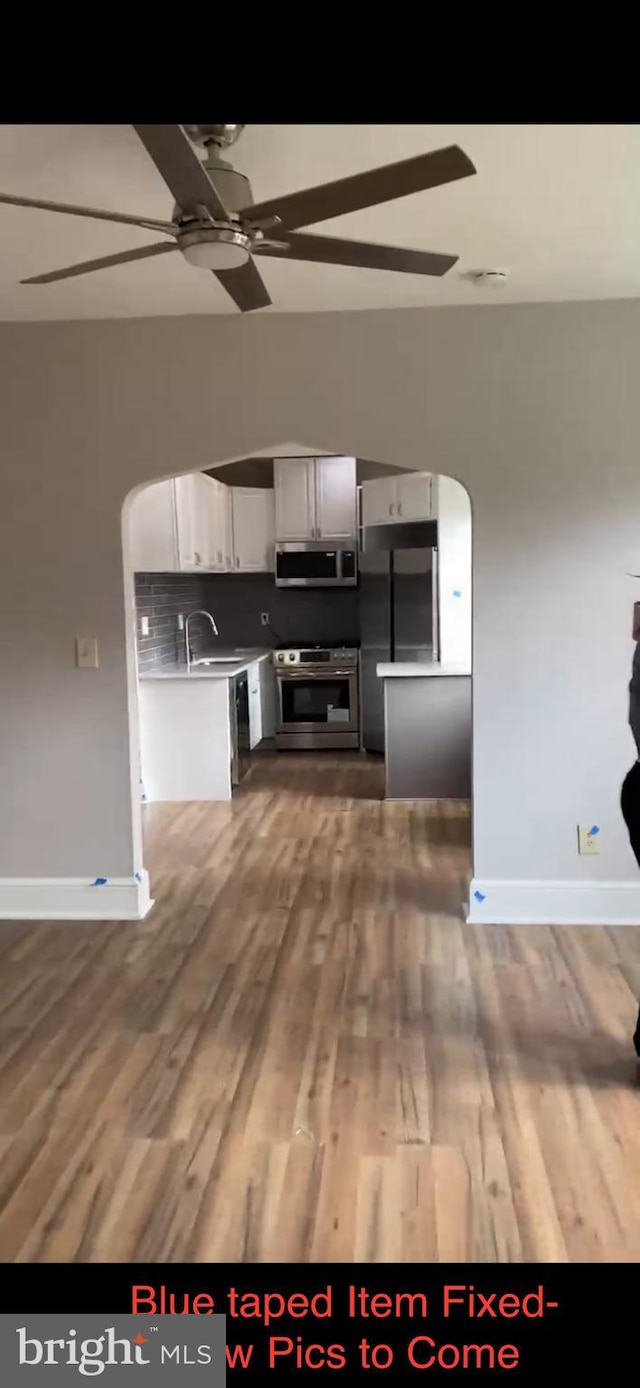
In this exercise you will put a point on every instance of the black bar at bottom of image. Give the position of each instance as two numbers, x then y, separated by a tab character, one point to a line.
486	1322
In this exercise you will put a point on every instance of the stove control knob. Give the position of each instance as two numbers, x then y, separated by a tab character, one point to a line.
291	655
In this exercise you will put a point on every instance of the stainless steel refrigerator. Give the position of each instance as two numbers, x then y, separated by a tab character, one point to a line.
398	602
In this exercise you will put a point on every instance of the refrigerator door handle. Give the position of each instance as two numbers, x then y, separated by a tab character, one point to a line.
435	605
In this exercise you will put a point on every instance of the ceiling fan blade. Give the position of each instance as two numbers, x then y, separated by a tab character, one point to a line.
103	263
149	223
246	287
186	177
313	205
329	250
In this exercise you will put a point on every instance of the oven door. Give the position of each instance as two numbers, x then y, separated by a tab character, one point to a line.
323	702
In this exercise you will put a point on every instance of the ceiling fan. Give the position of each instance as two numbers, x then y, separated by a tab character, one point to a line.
218	227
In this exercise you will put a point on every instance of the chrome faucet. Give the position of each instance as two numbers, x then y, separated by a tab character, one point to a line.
198	613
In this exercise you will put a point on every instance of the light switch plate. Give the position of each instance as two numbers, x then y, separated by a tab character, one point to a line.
144	626
86	653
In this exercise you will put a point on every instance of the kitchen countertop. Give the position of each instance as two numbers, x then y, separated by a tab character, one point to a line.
224	671
420	669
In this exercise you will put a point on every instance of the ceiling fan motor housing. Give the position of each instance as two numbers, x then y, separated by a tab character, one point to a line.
234	188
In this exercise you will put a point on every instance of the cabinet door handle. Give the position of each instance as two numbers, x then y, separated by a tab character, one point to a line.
399	508
391	509
219	556
237	561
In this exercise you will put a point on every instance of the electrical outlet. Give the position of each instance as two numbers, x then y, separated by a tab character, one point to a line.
180	622
144	626
264	618
86	653
588	839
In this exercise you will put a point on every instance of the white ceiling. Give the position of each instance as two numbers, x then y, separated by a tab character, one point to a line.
556	205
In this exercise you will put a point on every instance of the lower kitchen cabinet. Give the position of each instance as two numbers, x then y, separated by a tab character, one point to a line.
269	695
262	702
255	706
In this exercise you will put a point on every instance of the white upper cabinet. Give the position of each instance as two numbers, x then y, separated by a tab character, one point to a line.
192	518
203	523
414	496
195	523
153	545
335	498
315	498
295	505
227	527
408	497
218	549
253	523
378	501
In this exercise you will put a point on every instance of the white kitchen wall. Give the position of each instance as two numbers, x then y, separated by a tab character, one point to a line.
535	409
454	563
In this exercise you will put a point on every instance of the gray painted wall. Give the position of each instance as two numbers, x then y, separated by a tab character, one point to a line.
535	408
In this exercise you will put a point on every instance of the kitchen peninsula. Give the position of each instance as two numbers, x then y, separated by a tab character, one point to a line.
427	711
198	726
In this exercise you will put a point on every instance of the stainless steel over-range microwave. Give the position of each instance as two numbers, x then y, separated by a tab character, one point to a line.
315	564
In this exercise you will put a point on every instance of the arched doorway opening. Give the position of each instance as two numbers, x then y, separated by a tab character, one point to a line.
411	607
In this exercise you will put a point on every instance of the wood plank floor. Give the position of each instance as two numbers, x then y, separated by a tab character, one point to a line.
303	1053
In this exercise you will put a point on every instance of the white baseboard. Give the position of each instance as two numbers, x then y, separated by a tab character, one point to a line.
75	898
553	903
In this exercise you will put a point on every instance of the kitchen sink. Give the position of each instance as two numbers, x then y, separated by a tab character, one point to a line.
217	660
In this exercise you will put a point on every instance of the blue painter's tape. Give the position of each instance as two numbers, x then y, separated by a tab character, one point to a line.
100	882
595	829
457	592
479	896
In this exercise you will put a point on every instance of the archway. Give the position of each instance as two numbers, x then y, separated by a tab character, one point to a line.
451	599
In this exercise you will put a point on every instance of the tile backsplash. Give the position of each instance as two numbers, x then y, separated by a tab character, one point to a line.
161	597
297	615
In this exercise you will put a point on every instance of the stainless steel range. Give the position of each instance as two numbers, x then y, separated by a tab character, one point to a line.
318	698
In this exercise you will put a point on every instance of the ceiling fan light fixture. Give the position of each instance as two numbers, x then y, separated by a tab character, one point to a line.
215	248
